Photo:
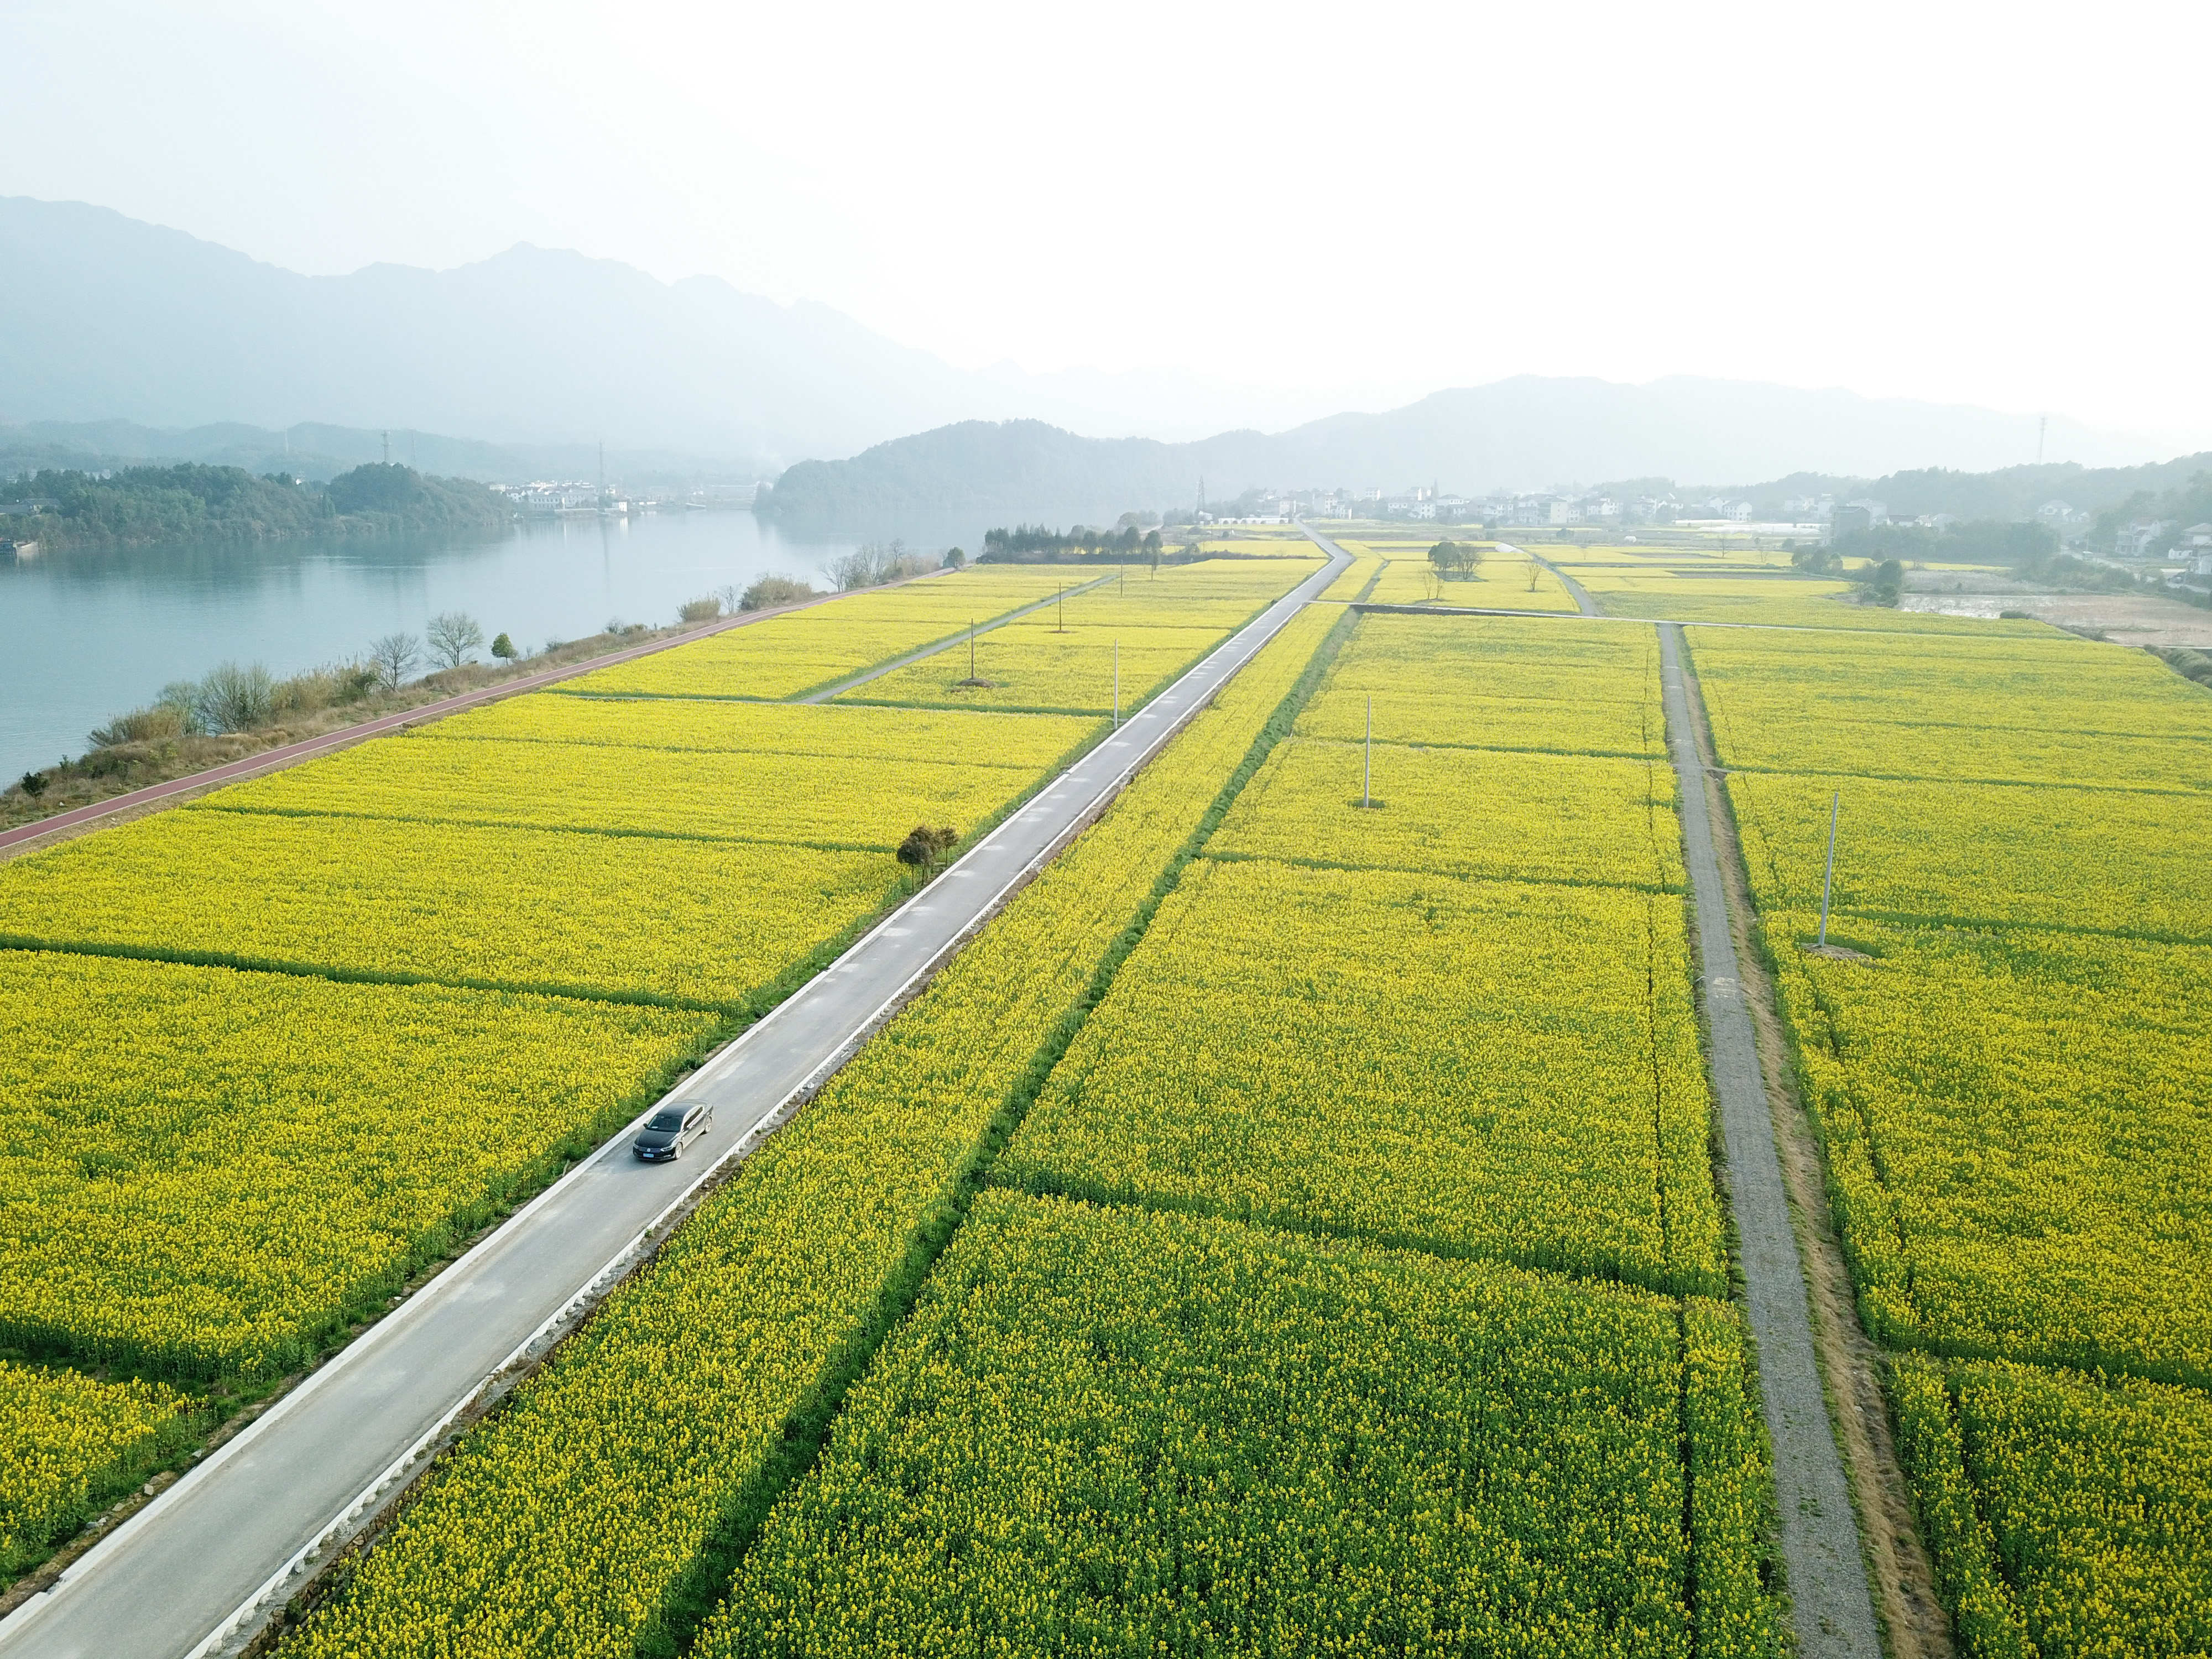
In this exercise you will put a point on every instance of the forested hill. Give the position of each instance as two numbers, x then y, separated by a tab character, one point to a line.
1011	468
142	506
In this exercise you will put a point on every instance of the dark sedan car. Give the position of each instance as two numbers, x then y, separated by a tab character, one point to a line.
672	1129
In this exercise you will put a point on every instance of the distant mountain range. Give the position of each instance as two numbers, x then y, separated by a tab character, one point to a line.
1524	433
113	319
117	328
317	451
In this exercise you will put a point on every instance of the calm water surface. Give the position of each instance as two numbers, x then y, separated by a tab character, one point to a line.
85	635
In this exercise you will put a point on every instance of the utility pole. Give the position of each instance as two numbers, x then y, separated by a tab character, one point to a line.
387	449
2042	426
971	647
1117	685
1367	760
1828	881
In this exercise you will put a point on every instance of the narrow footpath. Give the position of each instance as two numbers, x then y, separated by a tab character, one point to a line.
1575	591
1832	1608
210	1557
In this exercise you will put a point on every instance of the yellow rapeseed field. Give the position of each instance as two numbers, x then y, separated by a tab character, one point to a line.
2095	1496
564	1521
67	1443
1469	1067
1110	1431
793	798
1064	658
1463	811
698	922
836	730
2122	861
207	1169
1029	665
784	656
2009	1077
1492	683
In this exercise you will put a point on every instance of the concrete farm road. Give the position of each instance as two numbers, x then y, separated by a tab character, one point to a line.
244	1529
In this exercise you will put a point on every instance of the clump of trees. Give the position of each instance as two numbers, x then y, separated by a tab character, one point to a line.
2188	662
772	590
235	697
1034	543
1455	561
242	697
926	847
140	505
1877	558
875	562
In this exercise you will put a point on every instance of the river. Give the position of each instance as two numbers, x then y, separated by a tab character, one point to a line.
86	635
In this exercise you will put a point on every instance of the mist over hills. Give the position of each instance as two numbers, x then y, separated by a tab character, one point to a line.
1529	433
319	451
115	319
132	341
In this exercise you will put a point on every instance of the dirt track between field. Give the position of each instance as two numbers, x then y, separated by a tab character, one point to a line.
1913	1614
1586	605
1832	1608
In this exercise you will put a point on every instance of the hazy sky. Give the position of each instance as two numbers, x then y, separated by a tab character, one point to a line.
1999	204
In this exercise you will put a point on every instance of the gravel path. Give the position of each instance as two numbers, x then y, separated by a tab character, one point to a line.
1832	1608
1575	591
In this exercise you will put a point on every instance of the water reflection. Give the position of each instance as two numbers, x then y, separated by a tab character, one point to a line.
84	635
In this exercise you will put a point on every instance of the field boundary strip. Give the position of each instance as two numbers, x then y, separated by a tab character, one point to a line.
835	687
308	748
2171	791
615	831
1691	622
1173	708
1510	878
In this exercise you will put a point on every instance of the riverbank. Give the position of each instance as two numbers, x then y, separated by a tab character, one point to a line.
117	769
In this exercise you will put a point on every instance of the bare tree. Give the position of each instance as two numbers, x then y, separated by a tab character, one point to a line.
234	699
454	635
393	658
850	570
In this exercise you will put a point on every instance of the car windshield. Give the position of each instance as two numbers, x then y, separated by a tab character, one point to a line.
668	1117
